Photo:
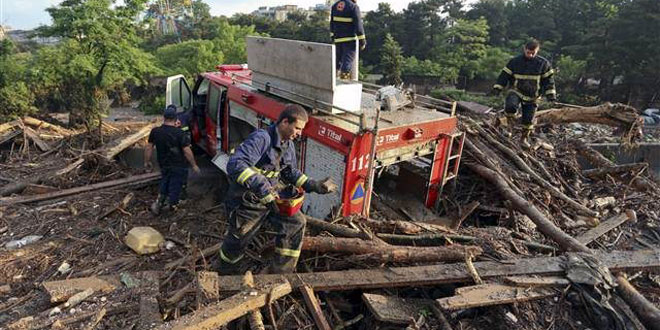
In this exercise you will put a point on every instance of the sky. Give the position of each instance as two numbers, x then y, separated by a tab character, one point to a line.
29	14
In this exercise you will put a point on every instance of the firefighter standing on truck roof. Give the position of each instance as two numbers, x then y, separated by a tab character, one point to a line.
346	27
266	158
528	77
173	146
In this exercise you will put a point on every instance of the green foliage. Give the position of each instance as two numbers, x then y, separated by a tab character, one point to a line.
15	101
230	41
569	70
189	57
462	46
491	63
153	104
98	52
391	61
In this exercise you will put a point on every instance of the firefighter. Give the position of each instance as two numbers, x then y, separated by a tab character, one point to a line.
527	77
262	163
346	27
173	147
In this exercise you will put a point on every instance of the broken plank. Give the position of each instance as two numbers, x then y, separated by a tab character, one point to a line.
394	309
133	180
149	293
611	223
446	273
208	288
123	143
225	311
531	281
314	307
10	135
60	291
492	294
41	144
10	125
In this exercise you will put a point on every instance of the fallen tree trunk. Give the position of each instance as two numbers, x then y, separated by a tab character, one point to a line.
598	160
616	169
616	114
336	230
647	312
41	144
386	252
406	227
446	273
546	226
123	143
133	180
34	122
10	125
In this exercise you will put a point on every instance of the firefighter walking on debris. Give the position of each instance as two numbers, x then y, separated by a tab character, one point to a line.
527	77
346	27
257	170
173	149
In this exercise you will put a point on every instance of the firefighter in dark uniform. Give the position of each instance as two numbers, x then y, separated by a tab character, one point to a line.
346	27
527	77
256	170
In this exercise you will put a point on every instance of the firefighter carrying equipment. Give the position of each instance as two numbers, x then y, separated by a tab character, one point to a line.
529	78
346	22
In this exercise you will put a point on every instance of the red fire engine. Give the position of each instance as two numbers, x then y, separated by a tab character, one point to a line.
352	147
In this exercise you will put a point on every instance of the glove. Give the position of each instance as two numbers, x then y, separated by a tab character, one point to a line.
270	198
494	92
363	43
324	186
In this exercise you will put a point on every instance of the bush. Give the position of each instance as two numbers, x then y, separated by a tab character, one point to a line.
15	101
153	104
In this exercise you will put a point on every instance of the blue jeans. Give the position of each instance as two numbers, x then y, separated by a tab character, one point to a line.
171	182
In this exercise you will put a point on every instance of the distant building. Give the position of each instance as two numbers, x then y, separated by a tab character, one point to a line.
28	36
280	13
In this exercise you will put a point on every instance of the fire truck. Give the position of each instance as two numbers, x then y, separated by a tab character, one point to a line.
355	131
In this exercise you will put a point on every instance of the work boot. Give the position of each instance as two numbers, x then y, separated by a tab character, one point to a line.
157	205
345	76
524	138
507	123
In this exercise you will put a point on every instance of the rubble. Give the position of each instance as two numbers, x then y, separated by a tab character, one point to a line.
516	218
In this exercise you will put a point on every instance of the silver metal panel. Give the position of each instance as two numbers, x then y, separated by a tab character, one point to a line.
322	162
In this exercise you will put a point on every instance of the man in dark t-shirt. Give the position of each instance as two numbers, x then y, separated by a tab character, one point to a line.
174	154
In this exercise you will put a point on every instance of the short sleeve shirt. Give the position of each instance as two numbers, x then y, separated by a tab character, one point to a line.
169	142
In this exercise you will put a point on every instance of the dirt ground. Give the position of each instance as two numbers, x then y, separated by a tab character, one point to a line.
74	233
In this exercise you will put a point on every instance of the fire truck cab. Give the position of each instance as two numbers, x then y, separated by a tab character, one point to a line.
355	130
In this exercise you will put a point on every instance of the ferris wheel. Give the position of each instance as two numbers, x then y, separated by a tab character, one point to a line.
168	14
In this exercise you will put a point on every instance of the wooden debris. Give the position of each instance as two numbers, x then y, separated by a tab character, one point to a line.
78	297
208	288
225	311
334	229
41	144
529	281
386	252
99	316
6	137
394	309
10	125
133	180
616	115
123	143
27	120
314	308
616	169
492	294
121	206
36	189
62	290
449	273
470	267
648	313
602	229
255	319
546	226
149	293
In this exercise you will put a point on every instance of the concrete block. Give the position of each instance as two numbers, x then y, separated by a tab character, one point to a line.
144	240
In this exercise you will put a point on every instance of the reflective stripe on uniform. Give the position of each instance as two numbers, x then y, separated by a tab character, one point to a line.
527	76
342	19
551	91
184	128
528	127
360	37
288	252
246	174
229	260
268	174
507	70
301	180
524	97
345	39
498	86
548	74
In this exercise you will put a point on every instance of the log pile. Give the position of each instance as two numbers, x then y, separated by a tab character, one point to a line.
520	220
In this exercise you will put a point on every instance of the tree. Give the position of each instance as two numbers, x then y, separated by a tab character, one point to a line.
230	40
462	45
189	57
97	53
391	60
15	97
494	11
377	24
